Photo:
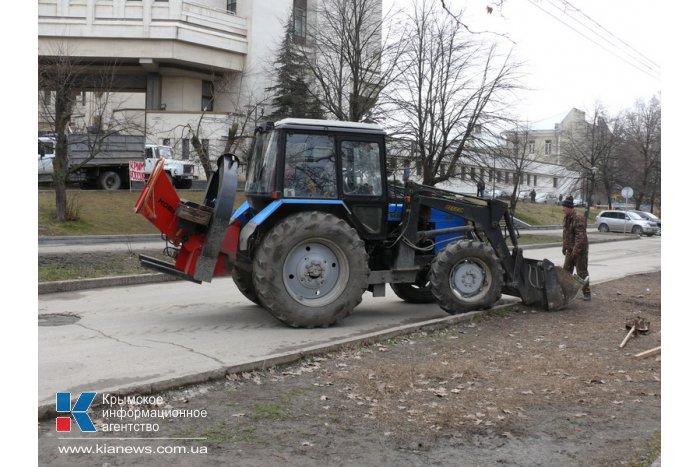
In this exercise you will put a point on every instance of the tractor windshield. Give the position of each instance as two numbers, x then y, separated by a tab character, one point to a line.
261	171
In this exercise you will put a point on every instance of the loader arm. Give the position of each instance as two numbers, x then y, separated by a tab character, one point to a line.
538	283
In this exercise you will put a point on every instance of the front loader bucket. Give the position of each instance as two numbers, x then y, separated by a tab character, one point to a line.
560	286
200	232
541	283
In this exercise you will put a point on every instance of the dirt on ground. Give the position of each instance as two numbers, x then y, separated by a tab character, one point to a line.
514	386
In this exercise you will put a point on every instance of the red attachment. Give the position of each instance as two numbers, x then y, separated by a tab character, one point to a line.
158	202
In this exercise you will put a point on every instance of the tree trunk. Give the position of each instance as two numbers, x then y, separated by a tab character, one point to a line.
61	161
203	156
231	138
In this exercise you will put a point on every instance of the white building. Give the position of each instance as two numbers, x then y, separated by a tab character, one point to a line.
180	64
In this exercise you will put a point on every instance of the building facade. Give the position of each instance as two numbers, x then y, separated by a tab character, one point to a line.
179	66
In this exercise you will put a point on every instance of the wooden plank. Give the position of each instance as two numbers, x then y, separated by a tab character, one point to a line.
648	353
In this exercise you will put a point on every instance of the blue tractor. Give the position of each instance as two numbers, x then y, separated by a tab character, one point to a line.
322	224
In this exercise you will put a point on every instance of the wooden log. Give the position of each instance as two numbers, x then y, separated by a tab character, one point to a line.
648	353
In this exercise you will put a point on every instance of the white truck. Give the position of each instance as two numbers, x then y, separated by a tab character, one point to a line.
104	163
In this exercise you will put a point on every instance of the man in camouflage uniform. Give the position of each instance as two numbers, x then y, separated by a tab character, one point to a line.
575	244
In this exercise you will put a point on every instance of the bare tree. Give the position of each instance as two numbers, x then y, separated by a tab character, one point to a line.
61	78
451	87
589	148
348	58
642	143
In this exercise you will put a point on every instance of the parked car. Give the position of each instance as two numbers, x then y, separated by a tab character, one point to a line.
497	193
546	198
625	221
578	202
650	217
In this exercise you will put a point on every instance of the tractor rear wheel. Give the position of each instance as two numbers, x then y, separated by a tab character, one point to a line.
466	276
419	291
244	281
310	270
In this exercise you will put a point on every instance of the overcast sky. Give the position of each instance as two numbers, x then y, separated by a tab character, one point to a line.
564	67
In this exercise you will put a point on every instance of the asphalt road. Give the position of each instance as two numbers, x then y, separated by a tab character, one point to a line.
149	336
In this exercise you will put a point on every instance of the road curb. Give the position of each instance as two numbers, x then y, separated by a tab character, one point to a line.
101	282
92	239
48	410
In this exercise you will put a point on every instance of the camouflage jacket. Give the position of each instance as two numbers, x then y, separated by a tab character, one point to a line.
575	237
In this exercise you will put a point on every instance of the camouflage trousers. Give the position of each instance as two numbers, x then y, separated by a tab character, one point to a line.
581	265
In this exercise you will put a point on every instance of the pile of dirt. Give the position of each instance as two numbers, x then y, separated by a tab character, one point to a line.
515	386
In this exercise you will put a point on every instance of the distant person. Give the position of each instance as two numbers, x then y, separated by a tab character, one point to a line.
480	187
575	244
532	195
560	198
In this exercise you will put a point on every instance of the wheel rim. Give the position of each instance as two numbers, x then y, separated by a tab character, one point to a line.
469	278
315	272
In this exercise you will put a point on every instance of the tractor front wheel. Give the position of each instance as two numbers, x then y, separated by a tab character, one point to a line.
466	276
310	270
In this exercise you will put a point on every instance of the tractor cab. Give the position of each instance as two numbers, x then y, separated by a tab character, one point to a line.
322	162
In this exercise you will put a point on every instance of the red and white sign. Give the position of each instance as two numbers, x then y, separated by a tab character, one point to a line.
137	171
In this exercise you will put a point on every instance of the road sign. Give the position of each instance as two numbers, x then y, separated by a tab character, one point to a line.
137	171
627	192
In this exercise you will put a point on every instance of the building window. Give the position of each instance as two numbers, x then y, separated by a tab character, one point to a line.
231	6
528	179
207	96
508	177
464	173
419	169
299	18
555	182
490	175
166	141
499	176
530	147
548	147
443	170
472	173
534	182
482	172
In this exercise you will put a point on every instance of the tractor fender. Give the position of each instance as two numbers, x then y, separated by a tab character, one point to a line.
267	214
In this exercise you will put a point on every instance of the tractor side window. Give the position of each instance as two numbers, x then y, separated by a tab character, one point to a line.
361	168
309	170
261	171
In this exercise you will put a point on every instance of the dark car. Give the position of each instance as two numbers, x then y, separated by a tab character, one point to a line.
650	217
